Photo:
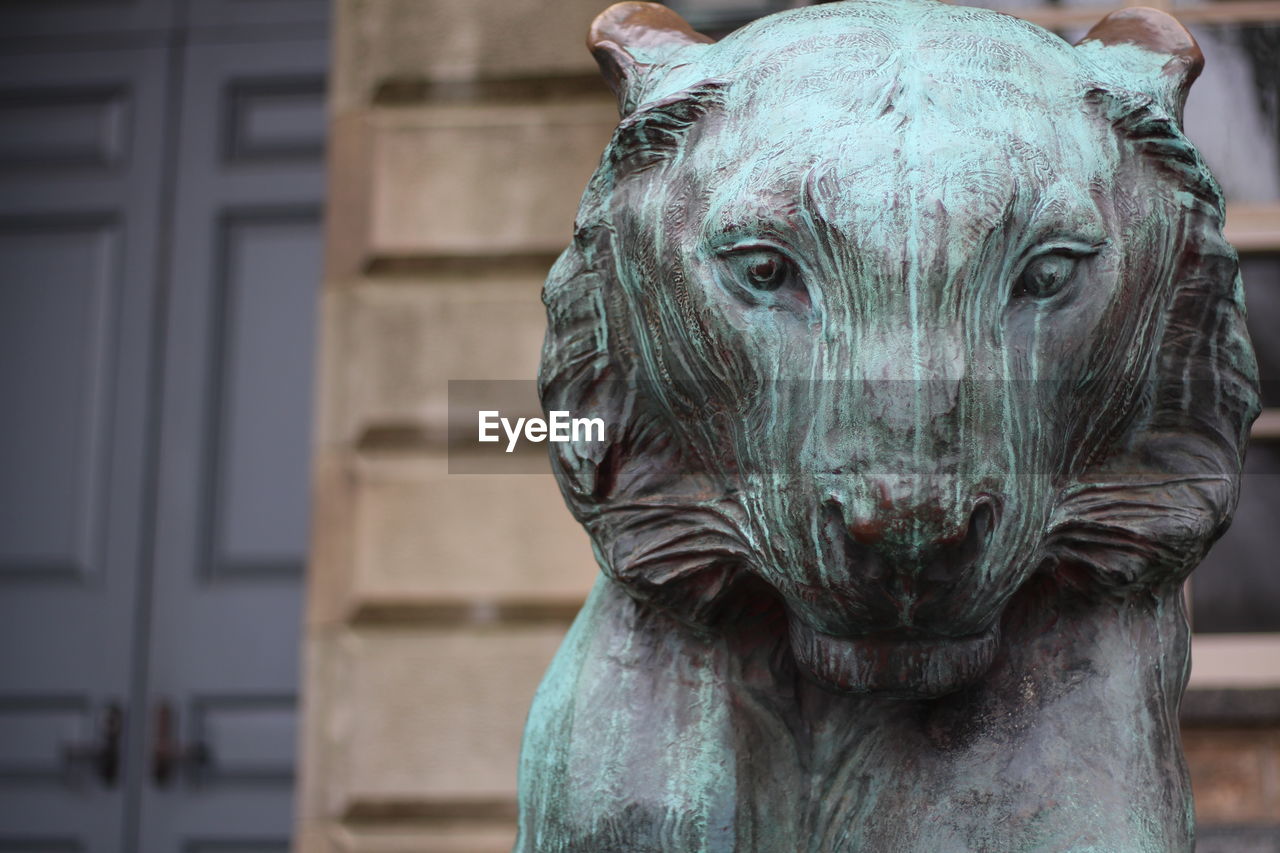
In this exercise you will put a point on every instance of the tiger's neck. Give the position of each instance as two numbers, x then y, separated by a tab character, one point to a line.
647	731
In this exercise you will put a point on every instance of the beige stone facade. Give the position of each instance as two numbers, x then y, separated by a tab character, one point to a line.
462	134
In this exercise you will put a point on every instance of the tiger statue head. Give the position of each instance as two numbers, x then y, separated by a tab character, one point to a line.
890	307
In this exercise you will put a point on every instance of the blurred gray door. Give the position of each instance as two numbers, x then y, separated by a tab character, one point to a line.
79	210
234	450
161	177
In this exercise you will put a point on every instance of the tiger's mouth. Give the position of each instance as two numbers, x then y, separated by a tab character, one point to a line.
893	663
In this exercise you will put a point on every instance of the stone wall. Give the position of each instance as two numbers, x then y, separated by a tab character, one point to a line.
462	136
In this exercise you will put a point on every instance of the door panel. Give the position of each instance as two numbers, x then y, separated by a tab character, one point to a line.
79	198
202	13
259	455
61	281
63	126
275	118
232	524
21	19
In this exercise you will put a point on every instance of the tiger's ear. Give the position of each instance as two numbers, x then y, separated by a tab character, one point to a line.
1151	51
630	39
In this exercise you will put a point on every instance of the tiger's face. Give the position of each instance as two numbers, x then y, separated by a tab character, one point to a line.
898	290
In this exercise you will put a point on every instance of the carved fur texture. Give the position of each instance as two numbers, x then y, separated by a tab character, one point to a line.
926	379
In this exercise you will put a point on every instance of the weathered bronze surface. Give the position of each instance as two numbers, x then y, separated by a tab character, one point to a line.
924	365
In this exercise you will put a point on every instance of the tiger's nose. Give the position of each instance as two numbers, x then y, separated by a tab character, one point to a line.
922	538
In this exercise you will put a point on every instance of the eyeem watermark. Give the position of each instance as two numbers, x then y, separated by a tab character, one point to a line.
560	426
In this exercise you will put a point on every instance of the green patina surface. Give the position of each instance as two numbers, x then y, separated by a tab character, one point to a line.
925	371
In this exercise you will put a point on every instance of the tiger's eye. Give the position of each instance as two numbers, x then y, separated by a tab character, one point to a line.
1046	275
765	270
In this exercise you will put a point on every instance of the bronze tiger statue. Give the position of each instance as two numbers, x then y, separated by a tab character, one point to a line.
926	381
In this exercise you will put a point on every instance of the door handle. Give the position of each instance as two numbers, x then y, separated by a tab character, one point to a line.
102	754
168	753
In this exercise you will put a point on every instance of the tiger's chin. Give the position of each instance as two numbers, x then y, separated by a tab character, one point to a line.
891	664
